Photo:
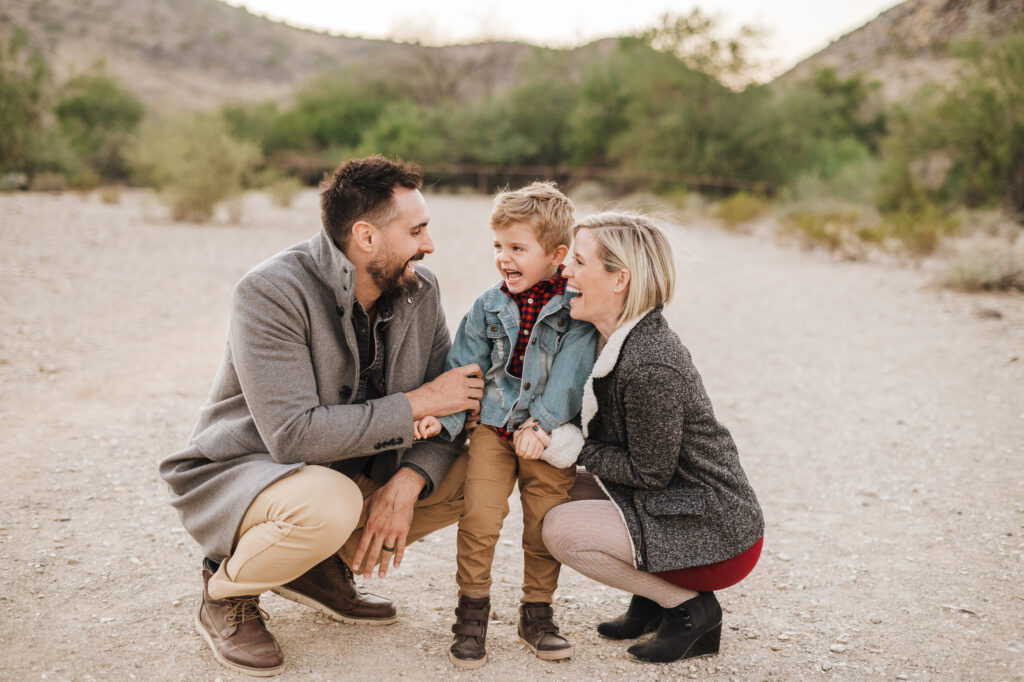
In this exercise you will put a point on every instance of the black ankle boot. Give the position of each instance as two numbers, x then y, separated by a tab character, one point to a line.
690	630
643	615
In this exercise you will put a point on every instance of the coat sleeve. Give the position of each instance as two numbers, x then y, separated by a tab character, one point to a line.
267	338
434	456
654	430
471	346
570	369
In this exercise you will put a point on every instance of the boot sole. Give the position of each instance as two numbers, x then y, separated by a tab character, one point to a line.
300	598
550	655
466	664
231	665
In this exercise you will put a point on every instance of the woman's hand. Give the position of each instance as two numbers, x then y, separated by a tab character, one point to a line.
426	428
530	440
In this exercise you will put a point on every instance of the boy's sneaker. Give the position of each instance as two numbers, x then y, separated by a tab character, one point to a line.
469	650
538	631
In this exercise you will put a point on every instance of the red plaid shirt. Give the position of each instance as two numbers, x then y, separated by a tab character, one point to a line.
529	303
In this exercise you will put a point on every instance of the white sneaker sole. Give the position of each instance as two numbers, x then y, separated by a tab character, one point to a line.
466	664
299	598
550	655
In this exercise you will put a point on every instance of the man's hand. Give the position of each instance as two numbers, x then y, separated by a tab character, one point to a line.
456	390
388	517
530	440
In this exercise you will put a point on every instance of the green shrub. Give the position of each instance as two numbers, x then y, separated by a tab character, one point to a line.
740	208
832	229
919	230
110	194
194	161
283	190
48	182
98	118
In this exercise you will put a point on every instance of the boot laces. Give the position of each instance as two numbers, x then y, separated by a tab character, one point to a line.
246	608
338	569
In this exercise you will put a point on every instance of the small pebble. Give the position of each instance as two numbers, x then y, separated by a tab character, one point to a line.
837	648
782	556
826	666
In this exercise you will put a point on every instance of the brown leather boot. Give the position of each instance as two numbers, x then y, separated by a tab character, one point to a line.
329	587
538	631
235	630
469	650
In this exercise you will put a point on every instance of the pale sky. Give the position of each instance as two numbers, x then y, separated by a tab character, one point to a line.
794	28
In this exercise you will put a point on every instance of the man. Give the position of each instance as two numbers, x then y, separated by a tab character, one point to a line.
303	462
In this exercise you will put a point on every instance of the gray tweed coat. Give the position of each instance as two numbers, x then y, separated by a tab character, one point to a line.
280	399
654	444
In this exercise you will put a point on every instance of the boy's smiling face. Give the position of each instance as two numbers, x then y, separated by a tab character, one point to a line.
521	259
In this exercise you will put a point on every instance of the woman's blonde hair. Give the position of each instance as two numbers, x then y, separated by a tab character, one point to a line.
627	241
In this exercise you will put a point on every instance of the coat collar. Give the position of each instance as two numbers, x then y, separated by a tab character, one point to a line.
605	363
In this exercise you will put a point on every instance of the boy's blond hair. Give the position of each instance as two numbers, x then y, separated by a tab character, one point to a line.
540	204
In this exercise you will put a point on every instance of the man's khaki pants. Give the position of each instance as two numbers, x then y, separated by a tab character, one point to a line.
490	477
302	519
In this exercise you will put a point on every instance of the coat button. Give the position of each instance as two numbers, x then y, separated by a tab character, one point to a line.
494	327
341	311
561	323
527	385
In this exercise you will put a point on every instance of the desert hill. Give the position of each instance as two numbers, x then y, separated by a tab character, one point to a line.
200	53
910	44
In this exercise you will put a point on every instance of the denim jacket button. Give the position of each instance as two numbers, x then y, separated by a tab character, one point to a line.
527	385
494	327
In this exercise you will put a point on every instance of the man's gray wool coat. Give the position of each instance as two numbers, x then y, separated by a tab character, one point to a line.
280	398
654	444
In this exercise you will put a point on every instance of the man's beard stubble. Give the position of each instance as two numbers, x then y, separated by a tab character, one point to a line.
390	276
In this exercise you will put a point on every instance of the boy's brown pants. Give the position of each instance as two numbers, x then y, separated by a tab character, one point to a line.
490	477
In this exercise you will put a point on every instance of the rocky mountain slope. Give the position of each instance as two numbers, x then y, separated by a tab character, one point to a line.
200	53
911	44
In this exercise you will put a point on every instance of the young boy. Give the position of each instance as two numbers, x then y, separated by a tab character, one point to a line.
535	361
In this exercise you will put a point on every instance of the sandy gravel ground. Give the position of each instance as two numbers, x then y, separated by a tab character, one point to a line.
879	419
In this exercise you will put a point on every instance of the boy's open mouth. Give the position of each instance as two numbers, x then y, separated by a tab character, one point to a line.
513	276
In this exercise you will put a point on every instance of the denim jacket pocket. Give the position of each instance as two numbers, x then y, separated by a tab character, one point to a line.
499	343
549	333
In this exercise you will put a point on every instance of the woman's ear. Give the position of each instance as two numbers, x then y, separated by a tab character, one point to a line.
621	282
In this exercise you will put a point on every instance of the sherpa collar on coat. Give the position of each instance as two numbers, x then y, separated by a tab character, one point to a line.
605	363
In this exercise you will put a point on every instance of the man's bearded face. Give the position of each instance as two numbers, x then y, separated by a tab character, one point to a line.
393	274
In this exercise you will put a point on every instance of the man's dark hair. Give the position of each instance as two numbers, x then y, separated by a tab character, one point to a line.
363	189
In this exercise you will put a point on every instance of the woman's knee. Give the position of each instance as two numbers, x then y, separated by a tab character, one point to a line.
555	534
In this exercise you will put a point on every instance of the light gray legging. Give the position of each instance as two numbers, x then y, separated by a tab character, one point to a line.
591	537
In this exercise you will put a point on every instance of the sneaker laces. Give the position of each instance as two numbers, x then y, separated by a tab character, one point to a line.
246	608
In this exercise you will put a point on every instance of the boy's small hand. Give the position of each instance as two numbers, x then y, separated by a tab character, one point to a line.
530	440
426	427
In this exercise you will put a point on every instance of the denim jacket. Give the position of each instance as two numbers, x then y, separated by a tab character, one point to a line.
558	361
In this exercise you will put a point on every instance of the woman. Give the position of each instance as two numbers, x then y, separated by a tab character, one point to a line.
674	517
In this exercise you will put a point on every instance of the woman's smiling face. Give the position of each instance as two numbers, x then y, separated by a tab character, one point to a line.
601	295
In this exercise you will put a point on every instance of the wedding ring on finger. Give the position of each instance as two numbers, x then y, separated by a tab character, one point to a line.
387	549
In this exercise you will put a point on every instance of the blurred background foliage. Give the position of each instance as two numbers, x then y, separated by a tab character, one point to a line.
673	100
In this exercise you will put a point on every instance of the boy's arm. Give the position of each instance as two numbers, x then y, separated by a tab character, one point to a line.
471	346
570	368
